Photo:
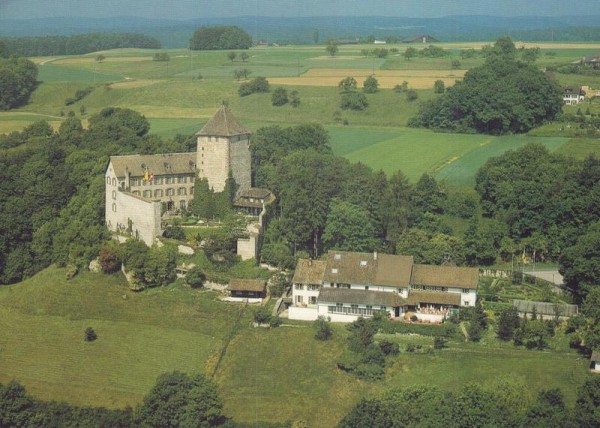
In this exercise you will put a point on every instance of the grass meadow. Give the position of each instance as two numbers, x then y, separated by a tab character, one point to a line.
274	375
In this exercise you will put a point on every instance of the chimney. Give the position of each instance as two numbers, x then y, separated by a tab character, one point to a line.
375	255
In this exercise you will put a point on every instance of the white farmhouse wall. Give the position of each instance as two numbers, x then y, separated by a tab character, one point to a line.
303	314
467	299
301	294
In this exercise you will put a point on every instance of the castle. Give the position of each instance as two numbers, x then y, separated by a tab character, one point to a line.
140	188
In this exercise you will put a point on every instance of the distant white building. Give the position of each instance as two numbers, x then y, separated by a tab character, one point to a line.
350	285
573	95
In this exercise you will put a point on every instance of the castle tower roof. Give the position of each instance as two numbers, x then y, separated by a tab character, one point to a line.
223	124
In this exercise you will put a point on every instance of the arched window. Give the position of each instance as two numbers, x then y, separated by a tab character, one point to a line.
114	181
114	208
114	194
107	180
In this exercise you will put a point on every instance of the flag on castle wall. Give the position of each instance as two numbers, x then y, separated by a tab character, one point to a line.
146	175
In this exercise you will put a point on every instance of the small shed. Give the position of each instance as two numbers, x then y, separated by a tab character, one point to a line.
595	361
243	289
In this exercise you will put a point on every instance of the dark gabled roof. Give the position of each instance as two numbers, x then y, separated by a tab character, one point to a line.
415	297
309	272
223	124
255	192
595	356
368	269
445	276
258	285
574	90
168	163
259	195
359	297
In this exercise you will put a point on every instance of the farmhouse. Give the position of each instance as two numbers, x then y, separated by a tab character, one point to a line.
349	285
591	61
140	188
573	95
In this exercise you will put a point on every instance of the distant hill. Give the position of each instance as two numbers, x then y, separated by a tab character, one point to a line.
172	33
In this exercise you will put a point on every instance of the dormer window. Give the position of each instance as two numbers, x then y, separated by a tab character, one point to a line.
334	270
363	263
337	257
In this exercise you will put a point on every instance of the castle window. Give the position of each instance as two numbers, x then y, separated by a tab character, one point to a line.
168	179
180	179
181	191
114	181
114	194
170	192
147	193
107	180
158	193
191	190
137	193
114	208
182	205
192	178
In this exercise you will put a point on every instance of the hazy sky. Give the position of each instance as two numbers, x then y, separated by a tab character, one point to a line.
188	9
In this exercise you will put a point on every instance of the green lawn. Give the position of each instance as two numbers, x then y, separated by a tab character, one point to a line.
140	335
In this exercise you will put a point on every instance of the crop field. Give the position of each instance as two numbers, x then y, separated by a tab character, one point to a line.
417	79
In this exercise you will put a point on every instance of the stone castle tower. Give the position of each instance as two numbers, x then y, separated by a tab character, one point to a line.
224	146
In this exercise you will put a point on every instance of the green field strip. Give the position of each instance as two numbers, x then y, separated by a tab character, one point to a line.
345	140
462	171
62	73
415	152
580	148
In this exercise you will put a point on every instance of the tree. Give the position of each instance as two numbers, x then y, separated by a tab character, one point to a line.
231	55
500	96
580	263
18	80
294	99
279	97
455	64
323	328
217	38
244	56
409	53
178	400
348	228
159	266
370	85
109	257
195	277
438	87
347	84
353	101
100	58
508	322
256	85
587	406
478	323
332	48
316	36
90	335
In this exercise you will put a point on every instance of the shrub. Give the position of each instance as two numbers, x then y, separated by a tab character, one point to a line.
195	277
354	101
109	257
323	328
439	342
262	315
411	95
90	335
256	85
389	348
294	99
174	232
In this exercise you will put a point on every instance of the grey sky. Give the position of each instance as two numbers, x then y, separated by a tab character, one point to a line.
188	9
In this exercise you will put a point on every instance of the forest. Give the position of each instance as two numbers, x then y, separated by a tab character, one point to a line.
215	38
77	44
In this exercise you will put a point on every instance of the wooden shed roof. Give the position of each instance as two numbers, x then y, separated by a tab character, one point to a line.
359	297
238	284
164	164
445	276
309	272
223	124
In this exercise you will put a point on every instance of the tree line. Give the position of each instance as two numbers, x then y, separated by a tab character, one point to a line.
216	38
52	188
76	45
